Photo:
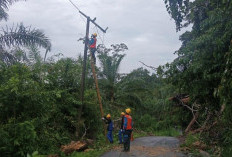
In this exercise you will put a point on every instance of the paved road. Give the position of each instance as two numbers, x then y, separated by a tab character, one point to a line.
148	147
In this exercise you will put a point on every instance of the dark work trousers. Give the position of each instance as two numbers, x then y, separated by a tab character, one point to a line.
93	50
110	136
120	136
127	137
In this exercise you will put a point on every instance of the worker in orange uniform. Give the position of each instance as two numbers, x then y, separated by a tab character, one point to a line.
127	127
92	46
120	132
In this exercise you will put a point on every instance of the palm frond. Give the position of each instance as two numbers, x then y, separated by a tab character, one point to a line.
6	58
3	14
4	7
20	55
110	60
24	36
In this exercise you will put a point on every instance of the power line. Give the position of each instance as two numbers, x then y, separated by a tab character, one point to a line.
91	20
74	5
78	10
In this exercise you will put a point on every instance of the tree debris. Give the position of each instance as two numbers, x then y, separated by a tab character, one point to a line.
74	146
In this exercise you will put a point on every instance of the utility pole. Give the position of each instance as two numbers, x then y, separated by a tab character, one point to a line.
84	64
84	61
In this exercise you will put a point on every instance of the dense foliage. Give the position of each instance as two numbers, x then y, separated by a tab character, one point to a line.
40	101
39	106
202	68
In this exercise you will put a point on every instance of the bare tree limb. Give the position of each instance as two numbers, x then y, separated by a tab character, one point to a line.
153	68
204	126
190	108
86	128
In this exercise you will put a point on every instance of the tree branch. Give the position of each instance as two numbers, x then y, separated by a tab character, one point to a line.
153	68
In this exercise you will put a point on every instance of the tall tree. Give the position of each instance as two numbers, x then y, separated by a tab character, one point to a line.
110	59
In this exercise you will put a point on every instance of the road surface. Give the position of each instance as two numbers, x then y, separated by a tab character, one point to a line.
148	147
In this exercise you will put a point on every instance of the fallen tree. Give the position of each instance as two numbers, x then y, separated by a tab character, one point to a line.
76	146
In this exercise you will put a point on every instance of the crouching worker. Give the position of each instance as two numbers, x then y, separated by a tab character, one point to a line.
110	127
120	132
127	126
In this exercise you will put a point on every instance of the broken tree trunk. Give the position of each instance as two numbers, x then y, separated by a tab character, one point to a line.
194	109
192	122
74	146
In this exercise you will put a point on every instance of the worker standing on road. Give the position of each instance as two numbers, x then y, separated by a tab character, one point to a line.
127	126
110	127
120	133
92	46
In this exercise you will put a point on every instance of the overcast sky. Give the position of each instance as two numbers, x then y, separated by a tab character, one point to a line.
143	25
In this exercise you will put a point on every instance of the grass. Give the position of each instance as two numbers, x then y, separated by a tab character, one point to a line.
137	134
189	141
168	132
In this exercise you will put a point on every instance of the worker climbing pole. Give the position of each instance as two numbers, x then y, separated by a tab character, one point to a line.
92	65
92	46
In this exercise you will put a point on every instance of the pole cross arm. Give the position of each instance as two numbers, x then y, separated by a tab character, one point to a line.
93	21
106	29
83	14
103	30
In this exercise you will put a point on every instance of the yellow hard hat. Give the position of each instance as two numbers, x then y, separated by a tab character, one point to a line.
128	110
95	34
122	113
108	116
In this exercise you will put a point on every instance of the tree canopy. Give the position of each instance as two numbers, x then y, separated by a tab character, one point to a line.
201	68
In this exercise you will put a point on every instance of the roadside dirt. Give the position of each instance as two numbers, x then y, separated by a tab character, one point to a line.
151	146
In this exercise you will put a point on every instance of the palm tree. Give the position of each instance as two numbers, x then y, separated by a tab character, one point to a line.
4	7
110	67
135	87
18	35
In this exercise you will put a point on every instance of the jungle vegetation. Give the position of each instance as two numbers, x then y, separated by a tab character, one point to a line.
40	97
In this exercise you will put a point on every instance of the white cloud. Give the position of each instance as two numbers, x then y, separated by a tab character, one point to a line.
144	25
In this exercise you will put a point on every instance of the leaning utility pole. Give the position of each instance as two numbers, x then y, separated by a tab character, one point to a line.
84	64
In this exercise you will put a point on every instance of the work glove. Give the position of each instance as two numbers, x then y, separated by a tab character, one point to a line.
103	118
